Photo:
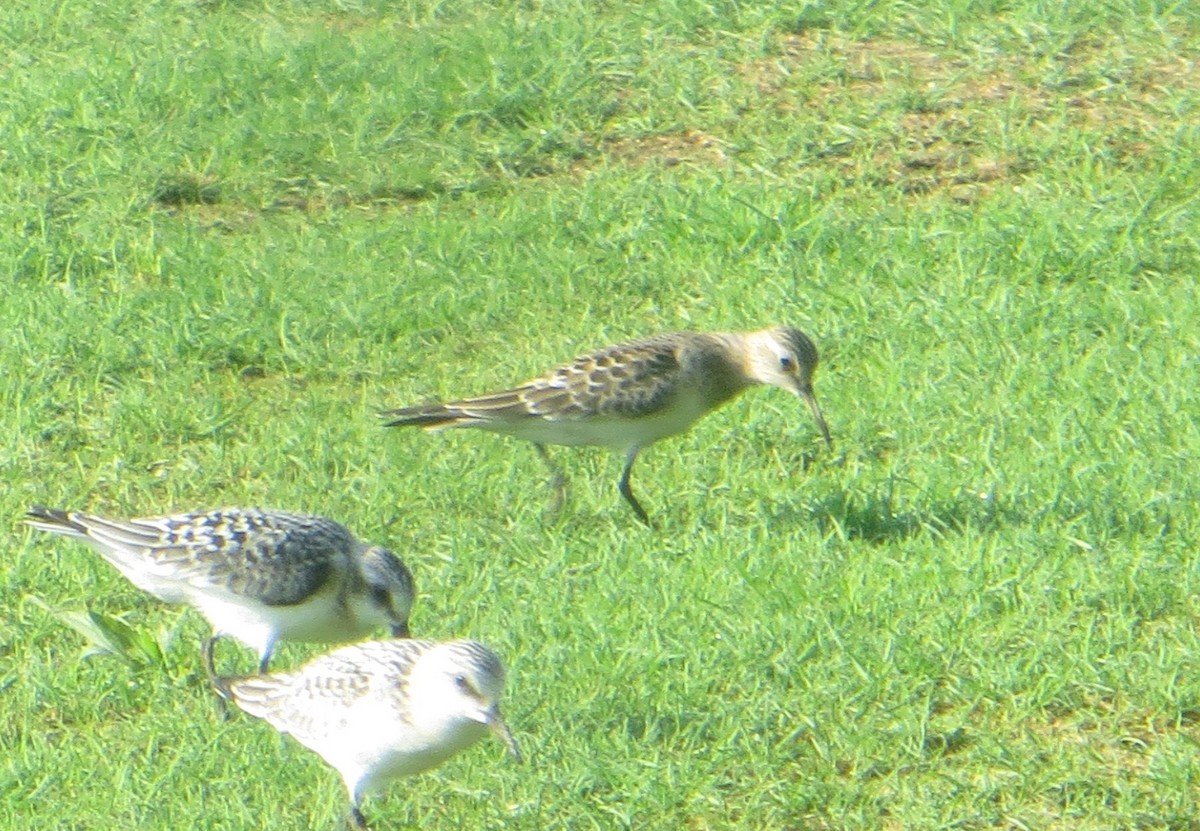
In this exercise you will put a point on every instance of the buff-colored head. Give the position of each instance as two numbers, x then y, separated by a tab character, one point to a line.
785	357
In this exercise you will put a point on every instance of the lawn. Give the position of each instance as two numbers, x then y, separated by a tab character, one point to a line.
234	230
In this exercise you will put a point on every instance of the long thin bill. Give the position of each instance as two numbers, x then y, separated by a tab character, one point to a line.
505	735
811	400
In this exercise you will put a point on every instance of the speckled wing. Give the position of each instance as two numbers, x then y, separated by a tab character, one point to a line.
315	701
630	380
275	558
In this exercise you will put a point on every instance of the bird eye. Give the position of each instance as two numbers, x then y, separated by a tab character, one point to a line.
460	681
381	596
785	363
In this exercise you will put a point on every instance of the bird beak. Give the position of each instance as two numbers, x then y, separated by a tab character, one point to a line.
400	630
496	722
806	392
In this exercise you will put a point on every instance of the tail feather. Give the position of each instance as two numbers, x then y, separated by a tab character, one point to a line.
113	534
55	521
253	693
429	416
496	407
123	533
222	684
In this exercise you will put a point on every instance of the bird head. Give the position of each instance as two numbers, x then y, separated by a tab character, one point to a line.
472	679
785	357
389	585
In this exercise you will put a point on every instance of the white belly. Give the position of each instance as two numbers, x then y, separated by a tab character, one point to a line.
373	750
608	431
321	619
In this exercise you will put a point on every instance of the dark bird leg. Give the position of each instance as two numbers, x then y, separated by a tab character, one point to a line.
357	821
264	663
211	670
627	492
209	665
558	481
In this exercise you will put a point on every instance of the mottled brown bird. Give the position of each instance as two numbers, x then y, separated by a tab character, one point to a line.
629	396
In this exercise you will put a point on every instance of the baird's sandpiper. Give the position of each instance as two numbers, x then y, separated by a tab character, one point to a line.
257	576
629	396
382	709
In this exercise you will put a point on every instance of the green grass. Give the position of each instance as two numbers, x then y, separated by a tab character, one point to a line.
235	229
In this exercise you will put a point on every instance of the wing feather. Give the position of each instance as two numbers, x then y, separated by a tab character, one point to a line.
276	558
315	701
630	380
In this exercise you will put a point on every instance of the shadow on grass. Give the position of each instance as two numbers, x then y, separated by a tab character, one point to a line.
878	518
934	748
179	190
664	728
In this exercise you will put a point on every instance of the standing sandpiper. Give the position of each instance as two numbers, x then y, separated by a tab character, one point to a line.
382	709
629	396
257	576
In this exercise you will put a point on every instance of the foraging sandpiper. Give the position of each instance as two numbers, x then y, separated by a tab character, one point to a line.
382	709
257	576
629	396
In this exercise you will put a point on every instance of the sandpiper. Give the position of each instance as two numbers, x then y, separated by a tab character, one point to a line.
257	576
629	396
382	709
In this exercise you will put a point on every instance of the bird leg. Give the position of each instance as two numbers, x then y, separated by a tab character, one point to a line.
264	663
558	481
357	821
211	670
209	665
627	492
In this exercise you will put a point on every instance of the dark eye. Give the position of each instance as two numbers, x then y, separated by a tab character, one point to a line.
460	681
785	363
381	596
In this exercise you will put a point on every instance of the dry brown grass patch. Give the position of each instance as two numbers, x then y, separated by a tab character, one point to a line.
934	117
667	149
